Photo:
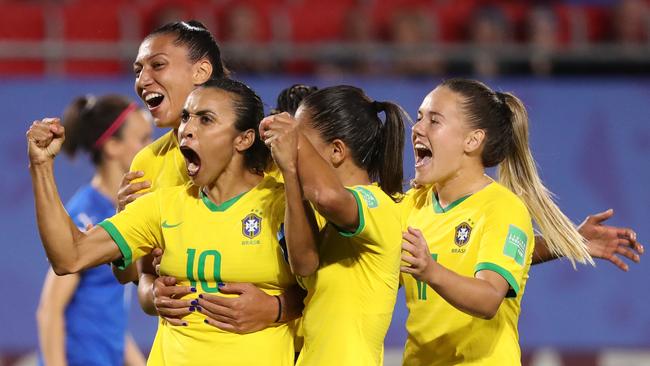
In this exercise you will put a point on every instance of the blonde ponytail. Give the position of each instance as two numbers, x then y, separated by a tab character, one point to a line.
518	172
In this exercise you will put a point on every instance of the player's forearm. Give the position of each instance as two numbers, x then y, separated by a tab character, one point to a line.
51	336
58	232
292	303
474	296
323	188
145	294
541	252
299	232
124	276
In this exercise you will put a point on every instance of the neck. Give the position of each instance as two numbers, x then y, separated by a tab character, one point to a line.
231	183
107	179
462	183
351	175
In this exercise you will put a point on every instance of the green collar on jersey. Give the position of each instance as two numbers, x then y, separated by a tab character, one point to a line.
222	207
439	209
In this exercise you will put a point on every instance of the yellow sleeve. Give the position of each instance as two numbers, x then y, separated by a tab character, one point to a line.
374	214
143	162
506	245
137	229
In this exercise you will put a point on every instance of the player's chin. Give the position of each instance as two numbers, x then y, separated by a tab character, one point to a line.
423	177
197	178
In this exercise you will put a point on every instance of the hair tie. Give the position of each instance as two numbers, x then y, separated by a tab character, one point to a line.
378	106
91	100
110	131
501	97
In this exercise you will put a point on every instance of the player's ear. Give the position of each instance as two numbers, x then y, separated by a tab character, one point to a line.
245	140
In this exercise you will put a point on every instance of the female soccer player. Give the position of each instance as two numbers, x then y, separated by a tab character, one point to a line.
470	240
222	227
171	62
348	163
80	317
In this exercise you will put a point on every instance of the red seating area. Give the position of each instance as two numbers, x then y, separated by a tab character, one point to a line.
70	24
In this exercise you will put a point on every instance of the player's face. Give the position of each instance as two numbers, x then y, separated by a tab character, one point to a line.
207	134
438	137
163	78
135	135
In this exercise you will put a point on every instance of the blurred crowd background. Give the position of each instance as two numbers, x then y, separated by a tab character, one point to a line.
410	38
581	67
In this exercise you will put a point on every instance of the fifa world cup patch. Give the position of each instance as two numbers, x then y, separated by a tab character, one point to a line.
251	225
516	242
463	231
370	198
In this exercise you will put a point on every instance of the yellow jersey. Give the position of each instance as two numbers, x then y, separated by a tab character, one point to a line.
488	230
205	244
350	298
162	163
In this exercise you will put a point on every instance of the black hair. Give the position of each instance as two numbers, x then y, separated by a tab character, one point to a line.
199	41
250	111
86	119
289	99
347	113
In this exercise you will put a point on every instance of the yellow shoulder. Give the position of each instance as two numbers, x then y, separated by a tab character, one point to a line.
502	200
143	159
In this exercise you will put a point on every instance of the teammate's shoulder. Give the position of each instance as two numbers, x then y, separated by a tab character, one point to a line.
271	182
500	196
162	144
416	197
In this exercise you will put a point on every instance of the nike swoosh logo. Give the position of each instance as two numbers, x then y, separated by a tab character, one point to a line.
165	225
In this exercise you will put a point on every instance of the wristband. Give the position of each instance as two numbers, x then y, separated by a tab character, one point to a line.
279	308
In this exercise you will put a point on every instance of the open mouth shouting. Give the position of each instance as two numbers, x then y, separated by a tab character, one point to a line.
192	161
153	100
423	154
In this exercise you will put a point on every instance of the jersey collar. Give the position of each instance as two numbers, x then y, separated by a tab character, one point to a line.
222	207
437	208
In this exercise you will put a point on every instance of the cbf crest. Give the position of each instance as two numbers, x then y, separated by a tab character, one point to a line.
251	225
463	232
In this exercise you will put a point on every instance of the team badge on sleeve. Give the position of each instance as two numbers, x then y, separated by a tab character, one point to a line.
251	225
516	242
370	198
463	231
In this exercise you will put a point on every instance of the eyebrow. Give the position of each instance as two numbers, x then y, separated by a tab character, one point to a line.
200	113
138	63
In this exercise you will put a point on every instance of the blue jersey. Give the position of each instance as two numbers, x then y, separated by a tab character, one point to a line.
95	318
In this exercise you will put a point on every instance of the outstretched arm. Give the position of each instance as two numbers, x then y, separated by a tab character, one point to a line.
68	249
603	241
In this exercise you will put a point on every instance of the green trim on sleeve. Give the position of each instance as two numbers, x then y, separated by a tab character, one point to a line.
127	256
503	272
362	221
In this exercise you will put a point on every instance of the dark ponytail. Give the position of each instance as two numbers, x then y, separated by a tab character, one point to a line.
86	119
347	113
289	99
389	162
199	41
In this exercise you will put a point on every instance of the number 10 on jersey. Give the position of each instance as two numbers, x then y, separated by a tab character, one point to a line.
209	285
